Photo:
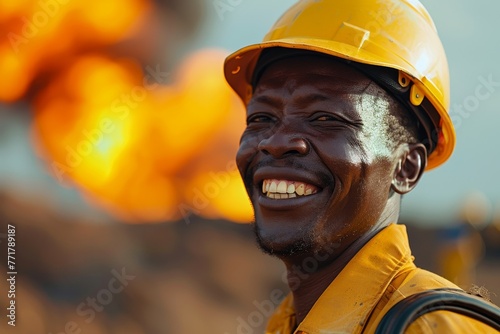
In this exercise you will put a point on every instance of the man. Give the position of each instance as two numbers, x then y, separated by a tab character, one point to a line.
346	107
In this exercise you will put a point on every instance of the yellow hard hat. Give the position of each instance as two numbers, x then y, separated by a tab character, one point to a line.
393	41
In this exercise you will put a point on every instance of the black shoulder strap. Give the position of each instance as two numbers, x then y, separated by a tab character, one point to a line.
401	315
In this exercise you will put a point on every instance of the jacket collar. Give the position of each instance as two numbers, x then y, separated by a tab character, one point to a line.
345	306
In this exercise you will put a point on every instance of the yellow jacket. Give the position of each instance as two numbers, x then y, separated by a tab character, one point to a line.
379	275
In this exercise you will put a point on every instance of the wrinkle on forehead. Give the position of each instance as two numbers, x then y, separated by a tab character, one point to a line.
305	89
290	82
309	66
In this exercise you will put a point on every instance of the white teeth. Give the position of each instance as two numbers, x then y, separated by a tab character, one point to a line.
300	189
282	187
273	187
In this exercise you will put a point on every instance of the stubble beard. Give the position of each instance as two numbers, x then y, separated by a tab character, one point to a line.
300	246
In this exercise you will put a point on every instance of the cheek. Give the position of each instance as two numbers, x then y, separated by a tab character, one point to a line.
341	156
245	153
362	183
344	142
373	189
241	160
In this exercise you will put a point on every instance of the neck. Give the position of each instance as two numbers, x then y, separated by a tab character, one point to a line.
307	286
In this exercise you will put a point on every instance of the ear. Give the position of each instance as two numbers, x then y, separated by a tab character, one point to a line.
410	167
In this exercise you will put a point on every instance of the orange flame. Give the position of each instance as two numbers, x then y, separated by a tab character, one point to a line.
143	152
140	151
40	35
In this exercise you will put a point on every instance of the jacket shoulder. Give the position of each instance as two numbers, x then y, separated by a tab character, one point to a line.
418	280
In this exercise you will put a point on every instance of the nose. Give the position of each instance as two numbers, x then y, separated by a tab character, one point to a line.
282	144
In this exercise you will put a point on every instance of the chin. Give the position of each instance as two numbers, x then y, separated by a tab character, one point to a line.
284	245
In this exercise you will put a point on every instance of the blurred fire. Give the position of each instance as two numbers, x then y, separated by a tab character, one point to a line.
39	35
146	153
142	151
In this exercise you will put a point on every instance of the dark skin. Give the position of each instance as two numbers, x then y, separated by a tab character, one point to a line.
320	123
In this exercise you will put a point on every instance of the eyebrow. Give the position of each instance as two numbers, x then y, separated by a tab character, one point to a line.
273	101
276	101
313	98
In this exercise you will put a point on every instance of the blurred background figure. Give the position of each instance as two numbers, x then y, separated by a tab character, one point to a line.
491	235
461	244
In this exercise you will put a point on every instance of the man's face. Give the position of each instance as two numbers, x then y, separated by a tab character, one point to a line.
315	157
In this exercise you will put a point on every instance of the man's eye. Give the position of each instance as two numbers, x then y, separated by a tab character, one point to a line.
325	118
259	119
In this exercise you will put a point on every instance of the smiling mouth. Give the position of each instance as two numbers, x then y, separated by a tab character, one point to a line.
284	189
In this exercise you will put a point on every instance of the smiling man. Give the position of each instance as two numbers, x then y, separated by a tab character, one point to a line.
347	106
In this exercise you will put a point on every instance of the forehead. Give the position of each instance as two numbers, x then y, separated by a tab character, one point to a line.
320	73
